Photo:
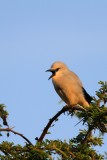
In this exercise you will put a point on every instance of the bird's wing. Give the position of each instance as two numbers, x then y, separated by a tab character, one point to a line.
60	93
87	96
78	83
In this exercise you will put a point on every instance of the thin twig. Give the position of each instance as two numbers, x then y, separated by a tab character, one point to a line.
79	122
10	130
64	109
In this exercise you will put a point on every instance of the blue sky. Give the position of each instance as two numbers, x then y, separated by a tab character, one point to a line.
34	34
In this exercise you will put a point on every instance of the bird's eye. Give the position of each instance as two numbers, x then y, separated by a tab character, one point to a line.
57	69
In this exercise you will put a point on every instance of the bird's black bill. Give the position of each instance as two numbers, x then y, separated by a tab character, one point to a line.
52	71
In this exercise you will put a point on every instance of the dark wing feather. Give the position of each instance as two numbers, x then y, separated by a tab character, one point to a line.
87	96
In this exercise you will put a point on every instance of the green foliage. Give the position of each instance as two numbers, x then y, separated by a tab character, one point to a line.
3	114
81	147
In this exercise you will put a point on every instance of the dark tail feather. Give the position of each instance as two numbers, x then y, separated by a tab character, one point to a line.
87	96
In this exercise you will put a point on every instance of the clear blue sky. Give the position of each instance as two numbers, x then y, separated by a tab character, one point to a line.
34	34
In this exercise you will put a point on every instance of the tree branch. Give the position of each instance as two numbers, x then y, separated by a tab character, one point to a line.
10	130
88	135
64	109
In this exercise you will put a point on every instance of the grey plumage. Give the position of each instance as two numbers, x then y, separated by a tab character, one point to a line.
68	85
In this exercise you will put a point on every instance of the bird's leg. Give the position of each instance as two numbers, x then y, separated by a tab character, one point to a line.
77	107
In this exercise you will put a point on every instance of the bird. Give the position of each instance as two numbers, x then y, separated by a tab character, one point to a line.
68	86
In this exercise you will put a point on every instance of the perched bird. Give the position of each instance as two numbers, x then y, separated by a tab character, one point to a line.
68	85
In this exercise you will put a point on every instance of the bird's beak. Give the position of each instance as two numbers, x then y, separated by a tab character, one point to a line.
52	71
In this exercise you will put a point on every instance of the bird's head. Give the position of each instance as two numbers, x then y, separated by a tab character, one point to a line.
57	68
